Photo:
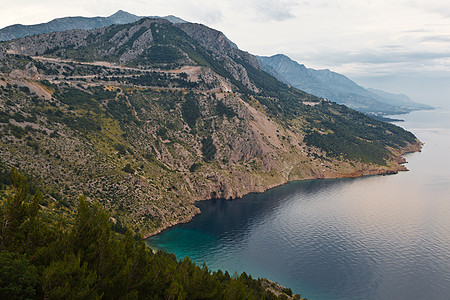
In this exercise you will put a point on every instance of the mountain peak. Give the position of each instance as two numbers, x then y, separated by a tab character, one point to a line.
173	19
280	59
120	13
280	56
122	16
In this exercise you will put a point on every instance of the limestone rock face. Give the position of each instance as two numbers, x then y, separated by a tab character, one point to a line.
38	45
209	38
220	45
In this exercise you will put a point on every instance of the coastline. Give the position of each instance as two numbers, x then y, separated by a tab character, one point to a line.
367	171
399	199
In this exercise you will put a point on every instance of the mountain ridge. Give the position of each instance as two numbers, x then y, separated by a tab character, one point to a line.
69	23
337	87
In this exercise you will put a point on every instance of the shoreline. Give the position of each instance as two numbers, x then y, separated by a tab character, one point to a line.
400	161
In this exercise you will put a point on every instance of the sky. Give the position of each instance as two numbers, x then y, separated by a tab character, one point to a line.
392	45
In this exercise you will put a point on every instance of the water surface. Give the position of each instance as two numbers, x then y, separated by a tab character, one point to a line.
377	237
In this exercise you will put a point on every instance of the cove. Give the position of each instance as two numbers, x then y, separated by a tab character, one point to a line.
376	237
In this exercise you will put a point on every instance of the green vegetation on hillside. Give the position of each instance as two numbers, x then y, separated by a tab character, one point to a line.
365	140
190	110
208	148
280	99
44	258
167	34
159	54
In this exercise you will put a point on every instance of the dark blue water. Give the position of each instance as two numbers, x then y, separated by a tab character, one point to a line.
377	237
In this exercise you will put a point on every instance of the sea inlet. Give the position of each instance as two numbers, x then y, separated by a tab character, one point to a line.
375	237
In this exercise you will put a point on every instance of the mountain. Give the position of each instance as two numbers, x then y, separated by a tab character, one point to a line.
147	118
68	23
400	100
337	87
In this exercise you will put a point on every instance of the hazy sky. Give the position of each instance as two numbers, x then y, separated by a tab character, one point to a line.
378	39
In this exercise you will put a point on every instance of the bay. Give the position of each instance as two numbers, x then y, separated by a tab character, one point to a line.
375	237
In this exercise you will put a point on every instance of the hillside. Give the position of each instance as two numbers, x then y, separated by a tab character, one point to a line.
152	116
69	23
337	87
40	258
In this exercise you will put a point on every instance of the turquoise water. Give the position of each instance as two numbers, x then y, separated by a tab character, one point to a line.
377	237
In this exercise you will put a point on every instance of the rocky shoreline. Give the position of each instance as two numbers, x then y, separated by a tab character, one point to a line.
366	170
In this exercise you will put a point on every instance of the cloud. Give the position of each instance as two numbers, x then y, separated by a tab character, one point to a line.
383	57
436	38
206	14
388	56
263	10
385	61
440	7
280	10
201	11
438	69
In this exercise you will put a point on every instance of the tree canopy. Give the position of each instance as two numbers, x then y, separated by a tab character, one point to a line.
45	258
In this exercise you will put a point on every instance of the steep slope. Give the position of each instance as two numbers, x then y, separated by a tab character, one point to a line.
70	23
151	116
336	87
43	259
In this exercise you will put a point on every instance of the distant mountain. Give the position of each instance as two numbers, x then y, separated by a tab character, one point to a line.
398	99
68	23
337	87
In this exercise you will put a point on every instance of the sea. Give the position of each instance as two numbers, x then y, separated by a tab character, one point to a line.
374	237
